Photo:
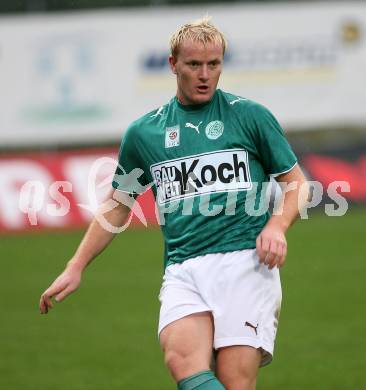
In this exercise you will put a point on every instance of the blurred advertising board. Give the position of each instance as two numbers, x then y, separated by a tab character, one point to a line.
58	190
62	190
329	168
84	76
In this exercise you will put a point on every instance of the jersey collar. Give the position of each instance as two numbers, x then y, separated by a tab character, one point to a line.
193	107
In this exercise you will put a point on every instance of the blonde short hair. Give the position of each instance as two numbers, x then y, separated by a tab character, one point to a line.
201	30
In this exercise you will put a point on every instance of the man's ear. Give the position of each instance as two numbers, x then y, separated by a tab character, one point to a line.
172	63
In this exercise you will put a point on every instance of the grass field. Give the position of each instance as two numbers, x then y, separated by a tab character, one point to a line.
104	337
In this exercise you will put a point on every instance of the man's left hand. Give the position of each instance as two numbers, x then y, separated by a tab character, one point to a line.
272	245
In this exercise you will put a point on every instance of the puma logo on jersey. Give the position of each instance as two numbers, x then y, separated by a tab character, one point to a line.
252	326
192	126
236	100
219	171
159	112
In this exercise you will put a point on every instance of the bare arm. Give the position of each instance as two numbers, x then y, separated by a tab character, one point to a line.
271	242
95	240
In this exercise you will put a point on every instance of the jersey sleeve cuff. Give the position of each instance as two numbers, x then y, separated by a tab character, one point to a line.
283	172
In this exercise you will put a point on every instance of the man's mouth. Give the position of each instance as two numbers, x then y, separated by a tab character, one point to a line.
202	88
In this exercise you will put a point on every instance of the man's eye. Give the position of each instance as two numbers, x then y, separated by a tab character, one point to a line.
194	64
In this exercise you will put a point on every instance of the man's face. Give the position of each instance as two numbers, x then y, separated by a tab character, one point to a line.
198	69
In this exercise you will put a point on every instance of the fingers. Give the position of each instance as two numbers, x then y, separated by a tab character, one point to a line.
64	285
277	250
63	294
43	305
271	252
283	258
272	255
262	248
45	302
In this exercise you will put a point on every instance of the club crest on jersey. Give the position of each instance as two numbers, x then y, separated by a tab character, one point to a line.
214	129
172	135
219	171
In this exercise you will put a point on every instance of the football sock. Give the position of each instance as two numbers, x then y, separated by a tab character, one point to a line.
204	380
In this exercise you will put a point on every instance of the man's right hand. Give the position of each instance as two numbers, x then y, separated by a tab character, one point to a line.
64	285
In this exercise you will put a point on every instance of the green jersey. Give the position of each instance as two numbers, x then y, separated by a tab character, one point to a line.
207	165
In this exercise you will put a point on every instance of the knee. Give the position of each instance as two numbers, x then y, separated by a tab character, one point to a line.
178	363
238	379
237	368
174	360
182	365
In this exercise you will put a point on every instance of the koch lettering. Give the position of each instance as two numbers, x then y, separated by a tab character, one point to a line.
221	171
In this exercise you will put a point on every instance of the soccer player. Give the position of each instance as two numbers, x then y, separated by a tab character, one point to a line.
209	154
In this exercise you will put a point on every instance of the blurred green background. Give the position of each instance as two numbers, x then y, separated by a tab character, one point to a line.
104	336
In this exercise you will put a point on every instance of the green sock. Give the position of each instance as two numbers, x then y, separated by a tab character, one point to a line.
204	380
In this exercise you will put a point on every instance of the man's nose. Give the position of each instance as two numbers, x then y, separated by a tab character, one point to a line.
203	75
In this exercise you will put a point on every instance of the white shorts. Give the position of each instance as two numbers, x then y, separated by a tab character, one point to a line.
243	295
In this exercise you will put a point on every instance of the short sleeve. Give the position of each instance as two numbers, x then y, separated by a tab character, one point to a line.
275	153
129	175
